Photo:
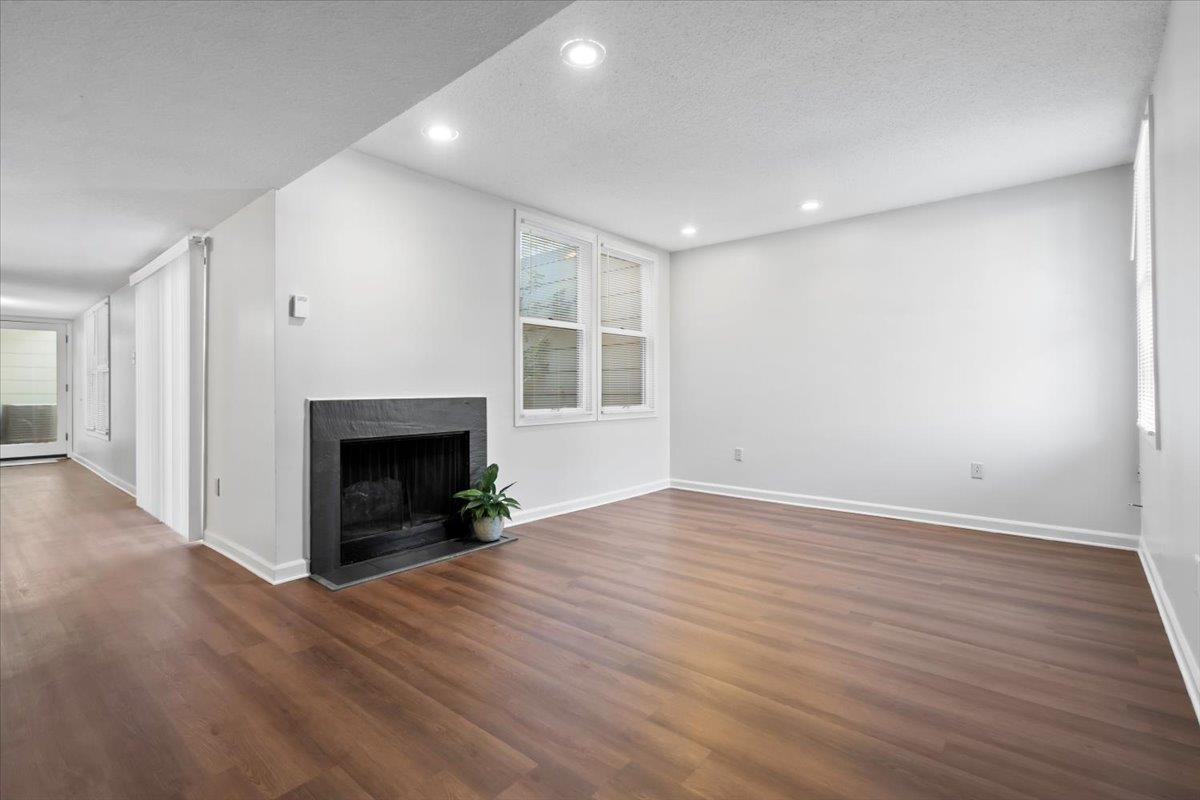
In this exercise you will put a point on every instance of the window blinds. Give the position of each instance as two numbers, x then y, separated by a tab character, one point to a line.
96	355
625	291
554	280
1142	254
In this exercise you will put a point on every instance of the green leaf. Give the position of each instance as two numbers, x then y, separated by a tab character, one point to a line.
487	481
466	494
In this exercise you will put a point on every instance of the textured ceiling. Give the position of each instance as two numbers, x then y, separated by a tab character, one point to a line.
123	126
729	114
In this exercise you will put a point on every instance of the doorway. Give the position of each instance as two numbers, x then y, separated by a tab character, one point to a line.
35	416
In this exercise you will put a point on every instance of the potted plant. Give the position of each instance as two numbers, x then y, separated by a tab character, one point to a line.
487	507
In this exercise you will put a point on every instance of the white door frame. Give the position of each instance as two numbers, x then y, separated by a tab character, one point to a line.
61	446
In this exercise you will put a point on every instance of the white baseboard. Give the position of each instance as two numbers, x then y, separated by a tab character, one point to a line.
124	486
524	515
273	574
1179	643
1036	530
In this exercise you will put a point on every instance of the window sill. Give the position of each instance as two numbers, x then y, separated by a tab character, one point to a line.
107	437
534	420
633	413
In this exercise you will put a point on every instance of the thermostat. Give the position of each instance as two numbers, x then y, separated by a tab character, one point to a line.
299	306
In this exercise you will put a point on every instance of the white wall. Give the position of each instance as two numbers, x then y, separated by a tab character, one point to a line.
114	457
411	287
1171	475
873	359
240	431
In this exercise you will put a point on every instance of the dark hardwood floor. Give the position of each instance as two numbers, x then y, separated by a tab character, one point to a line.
672	646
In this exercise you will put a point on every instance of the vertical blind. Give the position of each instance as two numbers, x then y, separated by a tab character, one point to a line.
96	356
554	281
162	331
1142	254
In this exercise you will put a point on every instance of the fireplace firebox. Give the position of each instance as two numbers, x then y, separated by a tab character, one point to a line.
381	476
396	492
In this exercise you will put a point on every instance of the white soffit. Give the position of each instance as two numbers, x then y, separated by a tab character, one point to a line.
123	126
727	115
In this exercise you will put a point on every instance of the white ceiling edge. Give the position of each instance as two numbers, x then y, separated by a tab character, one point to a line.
727	115
932	202
831	219
126	125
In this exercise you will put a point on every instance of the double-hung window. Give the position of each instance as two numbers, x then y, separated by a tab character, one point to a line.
96	384
585	325
626	320
1142	254
555	269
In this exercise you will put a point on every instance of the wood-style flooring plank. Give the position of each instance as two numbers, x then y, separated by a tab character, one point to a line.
676	646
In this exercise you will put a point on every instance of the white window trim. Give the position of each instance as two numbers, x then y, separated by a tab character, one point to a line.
592	329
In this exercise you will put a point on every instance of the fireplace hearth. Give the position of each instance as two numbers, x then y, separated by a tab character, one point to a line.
382	472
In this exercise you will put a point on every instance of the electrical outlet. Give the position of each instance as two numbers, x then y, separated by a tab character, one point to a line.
737	454
977	470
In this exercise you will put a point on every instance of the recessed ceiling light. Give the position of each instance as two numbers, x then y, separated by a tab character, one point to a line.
440	133
688	230
582	53
810	205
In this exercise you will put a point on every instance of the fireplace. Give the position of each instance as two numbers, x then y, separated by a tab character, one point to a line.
396	492
381	476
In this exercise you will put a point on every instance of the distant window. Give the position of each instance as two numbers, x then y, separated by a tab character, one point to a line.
560	294
1142	254
96	385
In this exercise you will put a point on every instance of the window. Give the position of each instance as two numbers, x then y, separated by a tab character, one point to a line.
1142	254
96	385
625	317
568	368
554	281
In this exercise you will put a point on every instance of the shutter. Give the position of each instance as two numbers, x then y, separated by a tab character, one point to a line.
89	351
96	355
553	279
102	402
1143	256
102	335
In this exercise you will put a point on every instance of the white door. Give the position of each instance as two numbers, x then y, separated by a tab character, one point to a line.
35	416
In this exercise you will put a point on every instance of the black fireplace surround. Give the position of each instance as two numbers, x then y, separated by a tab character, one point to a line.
381	476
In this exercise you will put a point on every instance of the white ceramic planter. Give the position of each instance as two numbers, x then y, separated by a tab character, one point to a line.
488	529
